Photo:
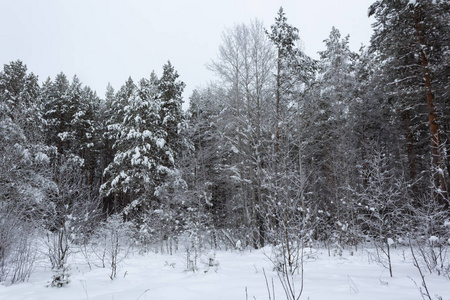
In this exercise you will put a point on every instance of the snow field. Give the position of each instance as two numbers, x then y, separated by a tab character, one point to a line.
163	277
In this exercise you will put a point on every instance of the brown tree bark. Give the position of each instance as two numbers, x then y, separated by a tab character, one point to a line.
437	163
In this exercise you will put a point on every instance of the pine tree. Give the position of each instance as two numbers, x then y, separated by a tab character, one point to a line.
26	188
413	39
106	143
286	177
55	97
25	179
284	37
335	151
133	170
171	186
170	89
114	122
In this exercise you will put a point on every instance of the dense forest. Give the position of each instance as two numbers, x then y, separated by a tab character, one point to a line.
282	149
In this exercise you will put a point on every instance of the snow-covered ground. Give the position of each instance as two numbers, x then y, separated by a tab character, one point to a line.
161	276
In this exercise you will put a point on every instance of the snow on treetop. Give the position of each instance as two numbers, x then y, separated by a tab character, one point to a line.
160	142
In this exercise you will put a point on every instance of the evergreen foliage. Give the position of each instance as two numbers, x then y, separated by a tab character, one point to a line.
281	149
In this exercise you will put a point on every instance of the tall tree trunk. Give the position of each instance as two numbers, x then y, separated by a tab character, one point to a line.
437	162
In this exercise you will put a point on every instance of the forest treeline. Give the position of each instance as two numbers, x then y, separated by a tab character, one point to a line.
349	148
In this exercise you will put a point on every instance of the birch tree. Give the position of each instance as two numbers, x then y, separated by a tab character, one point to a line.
244	65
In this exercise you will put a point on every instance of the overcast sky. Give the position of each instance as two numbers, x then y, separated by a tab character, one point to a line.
109	40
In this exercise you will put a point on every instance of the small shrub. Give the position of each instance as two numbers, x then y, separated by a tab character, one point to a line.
113	242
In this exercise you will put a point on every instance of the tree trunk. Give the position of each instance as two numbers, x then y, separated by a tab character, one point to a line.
437	164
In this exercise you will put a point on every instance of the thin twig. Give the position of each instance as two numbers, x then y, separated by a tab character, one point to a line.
416	264
142	294
267	284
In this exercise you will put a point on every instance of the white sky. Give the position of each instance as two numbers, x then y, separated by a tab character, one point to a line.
109	40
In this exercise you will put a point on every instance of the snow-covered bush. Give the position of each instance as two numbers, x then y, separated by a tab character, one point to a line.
195	240
286	258
193	251
383	205
382	253
71	217
112	242
159	228
24	256
58	253
209	262
433	254
18	251
431	238
146	237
